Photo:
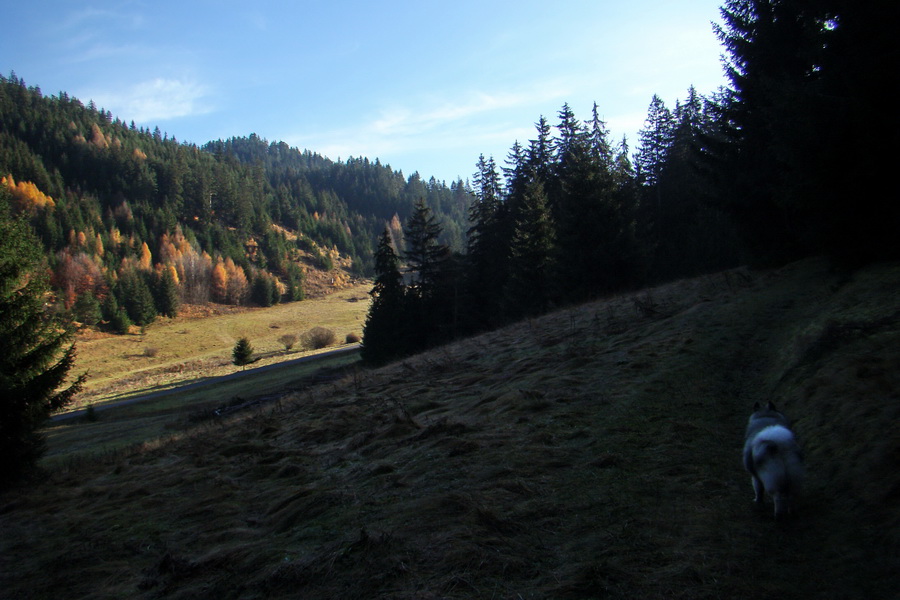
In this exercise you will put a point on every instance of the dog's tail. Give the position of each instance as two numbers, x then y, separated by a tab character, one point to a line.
779	465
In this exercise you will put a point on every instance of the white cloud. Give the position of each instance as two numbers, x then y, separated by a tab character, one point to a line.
157	100
447	116
90	52
476	118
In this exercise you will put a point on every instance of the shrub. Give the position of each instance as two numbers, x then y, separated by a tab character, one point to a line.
150	351
317	338
352	338
288	339
90	414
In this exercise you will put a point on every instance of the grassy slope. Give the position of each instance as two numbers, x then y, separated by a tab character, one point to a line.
146	421
591	453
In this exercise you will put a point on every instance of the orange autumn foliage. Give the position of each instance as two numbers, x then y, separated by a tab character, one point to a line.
219	282
26	195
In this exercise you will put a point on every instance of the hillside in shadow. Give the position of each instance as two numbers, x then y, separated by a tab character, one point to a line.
591	453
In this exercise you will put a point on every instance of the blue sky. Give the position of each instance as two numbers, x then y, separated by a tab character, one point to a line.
424	86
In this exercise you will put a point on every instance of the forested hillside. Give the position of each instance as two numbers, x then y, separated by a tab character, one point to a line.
127	213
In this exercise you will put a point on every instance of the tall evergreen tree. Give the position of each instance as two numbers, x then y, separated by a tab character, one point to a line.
571	146
487	246
532	249
167	295
295	278
598	138
807	79
423	251
690	233
595	230
385	335
623	168
539	156
765	67
134	295
484	212
35	357
432	294
655	140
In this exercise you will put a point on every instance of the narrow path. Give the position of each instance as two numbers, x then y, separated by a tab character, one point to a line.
213	380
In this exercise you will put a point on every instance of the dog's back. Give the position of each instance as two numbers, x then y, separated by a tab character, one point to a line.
773	458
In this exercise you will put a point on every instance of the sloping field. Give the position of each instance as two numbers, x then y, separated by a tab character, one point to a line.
188	348
594	453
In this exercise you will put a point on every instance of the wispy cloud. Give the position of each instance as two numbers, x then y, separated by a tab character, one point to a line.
89	17
158	100
91	51
474	118
428	117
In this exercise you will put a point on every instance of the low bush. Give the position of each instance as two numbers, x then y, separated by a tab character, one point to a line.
288	340
353	338
317	338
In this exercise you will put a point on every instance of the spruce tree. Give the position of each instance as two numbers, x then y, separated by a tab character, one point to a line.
689	234
808	80
295	282
120	322
539	155
87	309
431	297
598	138
167	297
423	251
35	357
264	291
765	47
572	139
134	295
532	250
488	242
597	249
654	141
385	333
242	354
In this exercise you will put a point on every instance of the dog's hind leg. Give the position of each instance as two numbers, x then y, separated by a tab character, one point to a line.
782	505
758	489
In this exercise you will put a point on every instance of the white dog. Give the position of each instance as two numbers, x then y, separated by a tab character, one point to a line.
773	458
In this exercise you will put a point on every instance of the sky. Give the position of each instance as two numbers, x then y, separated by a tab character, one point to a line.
422	85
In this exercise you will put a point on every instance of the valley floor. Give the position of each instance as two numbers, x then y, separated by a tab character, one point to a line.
198	344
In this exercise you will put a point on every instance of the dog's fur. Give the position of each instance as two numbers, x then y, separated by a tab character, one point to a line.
773	458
